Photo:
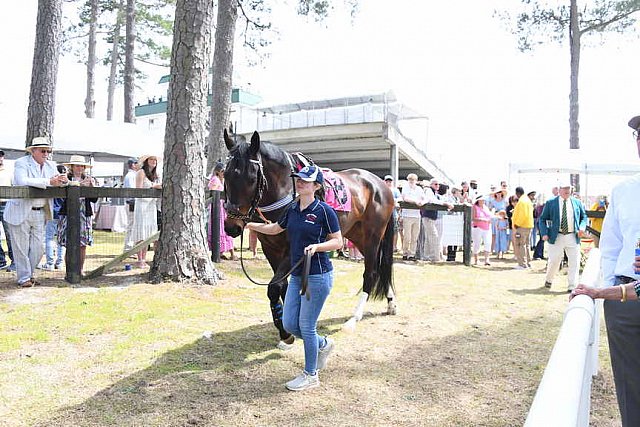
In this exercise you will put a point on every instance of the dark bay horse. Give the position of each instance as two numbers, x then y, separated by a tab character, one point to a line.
258	184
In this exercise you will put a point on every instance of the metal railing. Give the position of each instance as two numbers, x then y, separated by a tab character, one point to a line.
563	398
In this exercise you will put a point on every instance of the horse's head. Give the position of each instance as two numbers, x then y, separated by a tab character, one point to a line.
244	181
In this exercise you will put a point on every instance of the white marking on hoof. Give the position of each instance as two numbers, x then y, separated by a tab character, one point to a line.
284	346
392	309
350	325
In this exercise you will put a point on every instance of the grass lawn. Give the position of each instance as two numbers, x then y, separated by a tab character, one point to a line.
467	348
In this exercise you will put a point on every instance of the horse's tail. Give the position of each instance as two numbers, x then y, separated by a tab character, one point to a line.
384	264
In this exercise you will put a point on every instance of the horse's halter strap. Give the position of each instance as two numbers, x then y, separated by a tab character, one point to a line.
261	185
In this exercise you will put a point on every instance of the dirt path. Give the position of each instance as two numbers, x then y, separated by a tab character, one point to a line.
467	348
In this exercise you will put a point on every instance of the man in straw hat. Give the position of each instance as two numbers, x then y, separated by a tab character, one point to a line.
26	217
621	267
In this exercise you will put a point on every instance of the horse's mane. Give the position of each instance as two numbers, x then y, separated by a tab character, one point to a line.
267	150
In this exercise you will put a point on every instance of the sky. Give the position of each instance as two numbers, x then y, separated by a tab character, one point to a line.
488	104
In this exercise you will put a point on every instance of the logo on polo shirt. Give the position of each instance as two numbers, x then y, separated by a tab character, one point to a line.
311	218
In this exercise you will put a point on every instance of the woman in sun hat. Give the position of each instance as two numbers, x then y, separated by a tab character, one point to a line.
77	167
145	214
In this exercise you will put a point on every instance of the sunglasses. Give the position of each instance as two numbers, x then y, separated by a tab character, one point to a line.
44	150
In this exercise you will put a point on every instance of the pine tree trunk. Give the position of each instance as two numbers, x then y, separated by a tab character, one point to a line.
182	251
44	74
574	40
115	55
574	126
129	66
221	79
89	101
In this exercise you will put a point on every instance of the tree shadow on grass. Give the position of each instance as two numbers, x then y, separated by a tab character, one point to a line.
458	379
542	290
187	385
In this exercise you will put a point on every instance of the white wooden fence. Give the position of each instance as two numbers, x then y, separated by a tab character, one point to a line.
564	394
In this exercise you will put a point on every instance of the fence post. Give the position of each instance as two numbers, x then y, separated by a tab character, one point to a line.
72	257
215	226
466	237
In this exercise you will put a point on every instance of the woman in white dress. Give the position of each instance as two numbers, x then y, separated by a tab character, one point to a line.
145	221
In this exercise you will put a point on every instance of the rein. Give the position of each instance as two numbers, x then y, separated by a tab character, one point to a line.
305	260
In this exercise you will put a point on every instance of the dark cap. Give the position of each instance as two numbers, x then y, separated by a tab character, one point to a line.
310	174
634	123
1	153
132	161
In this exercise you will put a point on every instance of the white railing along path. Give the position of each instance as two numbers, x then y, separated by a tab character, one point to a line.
564	394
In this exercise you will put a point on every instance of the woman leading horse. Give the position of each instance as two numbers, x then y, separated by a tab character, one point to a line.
259	186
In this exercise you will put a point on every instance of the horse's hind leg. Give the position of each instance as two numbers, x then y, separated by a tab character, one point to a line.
392	309
276	293
370	251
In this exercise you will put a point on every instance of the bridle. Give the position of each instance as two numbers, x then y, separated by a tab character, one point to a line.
255	212
261	186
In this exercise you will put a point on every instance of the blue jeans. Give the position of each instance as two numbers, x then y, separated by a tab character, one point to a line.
51	243
300	316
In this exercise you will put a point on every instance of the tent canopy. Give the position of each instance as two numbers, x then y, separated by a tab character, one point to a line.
98	139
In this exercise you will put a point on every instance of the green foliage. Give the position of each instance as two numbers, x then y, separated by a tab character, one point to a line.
539	22
154	26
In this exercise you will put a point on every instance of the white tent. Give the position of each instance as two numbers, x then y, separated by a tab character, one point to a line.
597	174
95	138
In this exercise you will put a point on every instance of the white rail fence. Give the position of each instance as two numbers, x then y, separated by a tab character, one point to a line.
564	395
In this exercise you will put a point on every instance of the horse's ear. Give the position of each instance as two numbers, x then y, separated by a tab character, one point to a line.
254	149
230	143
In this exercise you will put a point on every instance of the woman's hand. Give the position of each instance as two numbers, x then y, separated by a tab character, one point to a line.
311	249
584	290
87	182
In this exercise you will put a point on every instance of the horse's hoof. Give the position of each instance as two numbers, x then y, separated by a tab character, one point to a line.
284	346
350	325
392	309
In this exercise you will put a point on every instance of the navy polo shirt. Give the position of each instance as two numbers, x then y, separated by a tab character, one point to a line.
312	225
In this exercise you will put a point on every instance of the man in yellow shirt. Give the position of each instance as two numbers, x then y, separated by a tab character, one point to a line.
596	223
522	221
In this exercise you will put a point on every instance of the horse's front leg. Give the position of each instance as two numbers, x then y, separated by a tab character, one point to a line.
276	293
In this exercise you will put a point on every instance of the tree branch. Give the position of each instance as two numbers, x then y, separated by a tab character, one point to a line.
603	24
251	21
146	61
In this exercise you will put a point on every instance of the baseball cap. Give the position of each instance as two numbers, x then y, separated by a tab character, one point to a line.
310	174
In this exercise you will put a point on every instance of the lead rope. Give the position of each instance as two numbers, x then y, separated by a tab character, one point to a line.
305	270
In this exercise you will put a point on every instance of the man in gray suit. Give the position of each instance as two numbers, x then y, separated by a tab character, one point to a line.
26	217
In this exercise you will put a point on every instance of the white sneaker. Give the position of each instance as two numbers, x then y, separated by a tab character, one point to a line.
324	353
303	381
48	267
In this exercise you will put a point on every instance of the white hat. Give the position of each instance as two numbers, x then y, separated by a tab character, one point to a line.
144	158
39	142
388	178
78	160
